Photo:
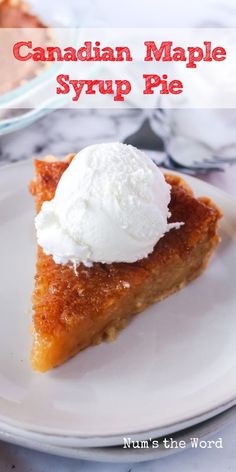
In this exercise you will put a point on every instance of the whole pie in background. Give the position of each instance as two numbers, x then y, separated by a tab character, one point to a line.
14	17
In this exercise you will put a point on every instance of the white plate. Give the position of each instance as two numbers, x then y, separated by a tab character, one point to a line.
173	366
120	454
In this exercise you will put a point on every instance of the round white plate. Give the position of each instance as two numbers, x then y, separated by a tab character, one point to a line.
172	367
202	431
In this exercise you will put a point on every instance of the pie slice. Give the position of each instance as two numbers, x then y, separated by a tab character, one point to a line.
73	311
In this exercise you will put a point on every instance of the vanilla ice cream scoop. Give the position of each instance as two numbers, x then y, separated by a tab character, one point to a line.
110	205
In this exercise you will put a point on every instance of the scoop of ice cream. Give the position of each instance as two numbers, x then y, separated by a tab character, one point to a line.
111	205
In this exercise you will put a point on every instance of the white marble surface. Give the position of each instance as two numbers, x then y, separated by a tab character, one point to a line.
67	131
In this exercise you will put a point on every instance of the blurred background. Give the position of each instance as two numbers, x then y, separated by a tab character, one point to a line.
199	142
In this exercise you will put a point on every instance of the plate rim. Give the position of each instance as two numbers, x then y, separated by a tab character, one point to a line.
114	454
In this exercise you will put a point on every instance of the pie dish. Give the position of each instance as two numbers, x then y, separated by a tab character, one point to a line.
75	310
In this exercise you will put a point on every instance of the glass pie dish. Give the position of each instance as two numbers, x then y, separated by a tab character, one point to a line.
21	82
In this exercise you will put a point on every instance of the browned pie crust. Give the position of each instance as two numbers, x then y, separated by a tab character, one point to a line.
73	311
16	14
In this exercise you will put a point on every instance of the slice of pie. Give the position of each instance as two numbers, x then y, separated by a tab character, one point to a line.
73	311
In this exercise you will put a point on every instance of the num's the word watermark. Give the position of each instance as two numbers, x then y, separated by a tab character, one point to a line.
171	443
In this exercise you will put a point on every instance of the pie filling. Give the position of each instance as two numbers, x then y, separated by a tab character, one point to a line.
75	310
